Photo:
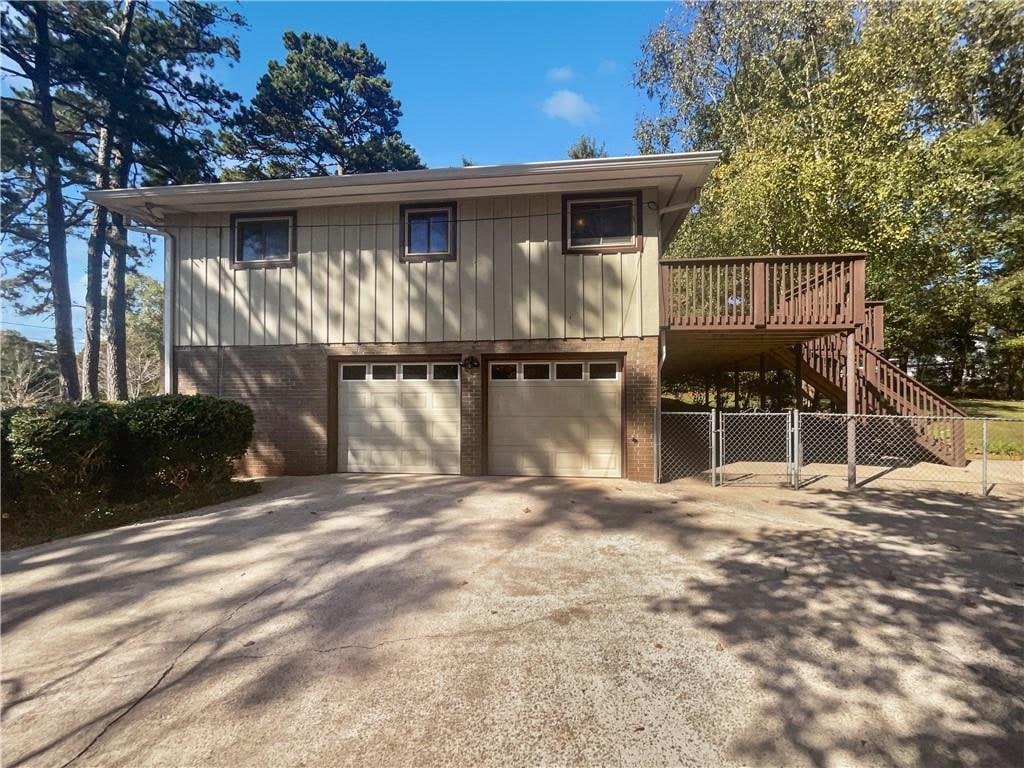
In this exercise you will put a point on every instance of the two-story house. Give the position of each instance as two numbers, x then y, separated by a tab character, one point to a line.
505	319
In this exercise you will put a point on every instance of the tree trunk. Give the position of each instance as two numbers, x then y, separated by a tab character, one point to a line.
57	245
98	226
117	361
94	272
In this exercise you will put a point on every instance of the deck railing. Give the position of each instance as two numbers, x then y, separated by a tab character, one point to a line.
764	292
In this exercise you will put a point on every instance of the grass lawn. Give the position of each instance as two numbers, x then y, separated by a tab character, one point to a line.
1005	438
22	528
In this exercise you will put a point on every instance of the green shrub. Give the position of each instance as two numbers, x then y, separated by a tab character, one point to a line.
68	448
184	440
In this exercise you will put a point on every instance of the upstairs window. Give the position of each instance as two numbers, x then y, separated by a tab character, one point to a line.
428	232
601	223
263	239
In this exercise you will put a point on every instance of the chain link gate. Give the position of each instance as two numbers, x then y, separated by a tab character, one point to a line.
687	446
835	450
756	448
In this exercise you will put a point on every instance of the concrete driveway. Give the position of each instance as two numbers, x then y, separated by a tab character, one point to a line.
383	620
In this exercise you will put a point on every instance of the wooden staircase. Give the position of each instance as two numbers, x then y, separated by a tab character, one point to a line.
881	388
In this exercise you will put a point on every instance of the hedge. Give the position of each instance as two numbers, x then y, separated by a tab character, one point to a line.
181	440
75	454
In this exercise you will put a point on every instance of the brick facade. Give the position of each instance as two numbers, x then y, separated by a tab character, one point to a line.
287	388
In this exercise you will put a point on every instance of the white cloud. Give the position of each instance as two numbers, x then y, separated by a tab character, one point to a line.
570	106
561	73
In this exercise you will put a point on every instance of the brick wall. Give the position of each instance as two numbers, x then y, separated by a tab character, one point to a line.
287	388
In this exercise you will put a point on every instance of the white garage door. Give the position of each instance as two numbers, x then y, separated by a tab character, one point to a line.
555	418
400	417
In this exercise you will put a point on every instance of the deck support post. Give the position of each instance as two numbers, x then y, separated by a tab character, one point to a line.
736	386
760	382
851	408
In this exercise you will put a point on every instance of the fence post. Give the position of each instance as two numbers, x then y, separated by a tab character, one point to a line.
789	447
797	450
714	449
984	456
851	411
657	445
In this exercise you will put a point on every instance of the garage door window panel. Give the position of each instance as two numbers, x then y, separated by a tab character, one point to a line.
446	371
385	372
353	372
569	371
504	371
416	372
603	371
536	371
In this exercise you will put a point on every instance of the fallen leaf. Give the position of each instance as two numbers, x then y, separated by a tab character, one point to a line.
658	645
526	510
719	646
968	603
638	729
251	642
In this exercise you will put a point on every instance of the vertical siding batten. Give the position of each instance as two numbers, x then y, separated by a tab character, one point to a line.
502	250
485	269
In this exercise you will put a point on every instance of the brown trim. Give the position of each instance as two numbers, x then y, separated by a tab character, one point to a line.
333	364
237	263
453	238
638	237
558	357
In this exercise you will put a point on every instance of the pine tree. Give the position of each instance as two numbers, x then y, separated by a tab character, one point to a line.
326	110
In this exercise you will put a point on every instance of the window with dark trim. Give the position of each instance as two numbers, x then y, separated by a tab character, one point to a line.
263	239
428	232
385	372
601	223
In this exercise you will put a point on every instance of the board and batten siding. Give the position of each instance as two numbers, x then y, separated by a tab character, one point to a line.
511	280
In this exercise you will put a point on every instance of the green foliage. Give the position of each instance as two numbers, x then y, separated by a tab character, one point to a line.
586	147
28	370
65	450
326	110
890	128
182	441
72	467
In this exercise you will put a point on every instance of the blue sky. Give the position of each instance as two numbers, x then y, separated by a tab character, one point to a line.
494	82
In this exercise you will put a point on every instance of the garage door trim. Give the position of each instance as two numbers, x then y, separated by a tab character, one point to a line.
554	357
334	363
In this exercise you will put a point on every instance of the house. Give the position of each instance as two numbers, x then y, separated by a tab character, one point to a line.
509	319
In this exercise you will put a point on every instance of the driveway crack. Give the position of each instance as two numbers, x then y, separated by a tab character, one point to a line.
163	676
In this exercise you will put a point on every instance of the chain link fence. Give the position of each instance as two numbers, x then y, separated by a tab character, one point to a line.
686	446
829	451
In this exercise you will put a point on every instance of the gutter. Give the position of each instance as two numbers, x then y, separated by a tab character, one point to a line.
170	384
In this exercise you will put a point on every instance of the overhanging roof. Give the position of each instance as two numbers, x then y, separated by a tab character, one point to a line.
678	178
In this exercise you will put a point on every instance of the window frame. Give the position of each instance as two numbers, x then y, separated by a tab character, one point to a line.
449	206
633	196
236	242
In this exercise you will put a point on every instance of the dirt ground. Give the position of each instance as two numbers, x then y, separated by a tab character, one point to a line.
385	620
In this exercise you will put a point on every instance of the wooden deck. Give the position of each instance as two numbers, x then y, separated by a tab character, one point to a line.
719	311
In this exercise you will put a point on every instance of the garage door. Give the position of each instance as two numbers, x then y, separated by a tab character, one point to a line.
398	417
555	418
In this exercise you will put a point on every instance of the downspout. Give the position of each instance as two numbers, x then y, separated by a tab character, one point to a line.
170	250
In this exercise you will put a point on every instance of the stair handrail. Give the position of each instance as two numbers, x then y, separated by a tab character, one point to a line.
945	408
